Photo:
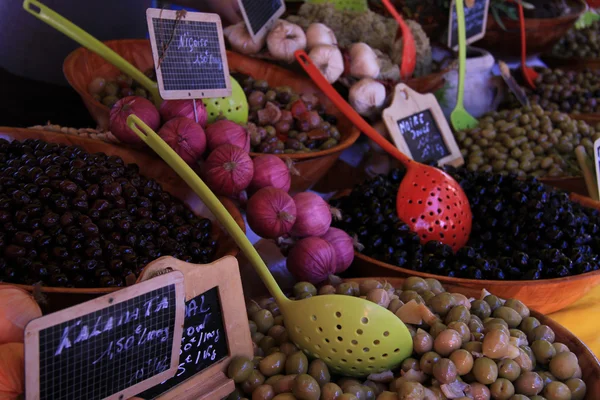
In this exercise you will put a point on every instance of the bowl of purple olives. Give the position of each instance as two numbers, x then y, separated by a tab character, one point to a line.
80	218
528	240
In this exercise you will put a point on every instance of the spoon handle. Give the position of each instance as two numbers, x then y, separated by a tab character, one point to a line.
61	24
214	205
409	52
462	52
317	77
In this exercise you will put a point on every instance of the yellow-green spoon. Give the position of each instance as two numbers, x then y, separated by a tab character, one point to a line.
65	26
353	336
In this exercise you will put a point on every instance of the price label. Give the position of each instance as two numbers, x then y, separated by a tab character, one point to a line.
189	54
419	129
476	15
260	15
112	347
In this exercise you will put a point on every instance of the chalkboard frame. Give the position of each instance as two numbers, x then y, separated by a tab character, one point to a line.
407	102
264	30
33	329
211	383
152	13
471	39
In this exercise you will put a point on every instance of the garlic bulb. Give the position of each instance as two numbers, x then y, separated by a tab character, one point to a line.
367	96
363	61
329	60
381	128
284	39
240	40
317	34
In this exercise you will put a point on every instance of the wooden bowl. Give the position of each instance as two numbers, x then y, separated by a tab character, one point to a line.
82	65
544	295
150	167
572	64
542	33
589	363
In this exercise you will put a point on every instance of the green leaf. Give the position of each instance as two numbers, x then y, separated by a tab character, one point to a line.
586	20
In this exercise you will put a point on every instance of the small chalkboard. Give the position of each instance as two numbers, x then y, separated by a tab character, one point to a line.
189	54
419	129
214	329
476	15
112	347
260	15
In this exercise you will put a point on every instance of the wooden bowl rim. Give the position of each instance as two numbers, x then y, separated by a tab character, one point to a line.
92	291
343	145
578	8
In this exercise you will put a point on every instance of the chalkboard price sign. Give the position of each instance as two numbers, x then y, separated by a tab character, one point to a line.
111	347
419	129
475	22
189	54
260	15
203	343
423	137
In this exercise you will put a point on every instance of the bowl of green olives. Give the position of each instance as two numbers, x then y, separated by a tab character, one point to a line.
577	49
483	348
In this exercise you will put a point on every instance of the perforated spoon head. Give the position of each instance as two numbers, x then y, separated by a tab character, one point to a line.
353	336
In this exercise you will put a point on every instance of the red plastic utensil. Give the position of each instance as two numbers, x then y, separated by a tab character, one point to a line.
528	73
409	50
429	200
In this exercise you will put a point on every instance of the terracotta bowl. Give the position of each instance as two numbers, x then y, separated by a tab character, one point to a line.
59	298
542	33
82	65
544	295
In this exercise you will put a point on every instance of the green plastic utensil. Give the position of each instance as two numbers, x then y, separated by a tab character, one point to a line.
460	118
234	107
350	5
65	26
351	335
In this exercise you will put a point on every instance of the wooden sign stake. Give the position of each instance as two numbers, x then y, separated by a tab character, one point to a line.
112	347
223	276
419	129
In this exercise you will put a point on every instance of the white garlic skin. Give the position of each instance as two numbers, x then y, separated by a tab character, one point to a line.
367	96
363	61
318	34
329	60
284	39
241	41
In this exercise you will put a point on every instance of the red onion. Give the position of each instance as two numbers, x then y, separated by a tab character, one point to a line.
271	212
313	216
170	109
343	245
227	132
312	260
270	170
186	137
229	170
123	108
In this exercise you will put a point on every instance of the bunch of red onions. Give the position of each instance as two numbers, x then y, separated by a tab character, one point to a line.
228	170
270	170
313	215
170	109
227	132
142	108
186	137
271	212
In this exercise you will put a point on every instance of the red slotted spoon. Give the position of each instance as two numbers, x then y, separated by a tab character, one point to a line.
528	73
429	200
409	50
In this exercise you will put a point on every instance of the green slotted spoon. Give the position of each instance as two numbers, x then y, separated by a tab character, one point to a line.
460	118
353	336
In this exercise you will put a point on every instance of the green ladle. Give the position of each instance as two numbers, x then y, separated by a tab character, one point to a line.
353	336
65	26
460	118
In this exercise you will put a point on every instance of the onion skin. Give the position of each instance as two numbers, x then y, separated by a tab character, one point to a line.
17	309
228	170
12	370
170	109
344	248
142	108
270	170
271	213
186	137
313	215
312	260
227	132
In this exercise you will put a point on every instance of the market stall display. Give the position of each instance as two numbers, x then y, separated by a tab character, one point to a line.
481	348
577	49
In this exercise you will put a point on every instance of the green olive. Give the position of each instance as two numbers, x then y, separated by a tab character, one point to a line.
485	370
543	351
304	287
306	388
502	389
272	364
493	301
577	387
319	371
563	365
239	369
253	381
481	309
263	320
509	369
511	316
296	363
557	391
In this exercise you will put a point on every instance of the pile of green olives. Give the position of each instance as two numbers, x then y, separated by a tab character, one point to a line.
579	43
109	90
465	349
526	141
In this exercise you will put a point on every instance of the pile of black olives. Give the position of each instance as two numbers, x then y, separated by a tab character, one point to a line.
73	219
567	91
580	43
522	229
486	349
